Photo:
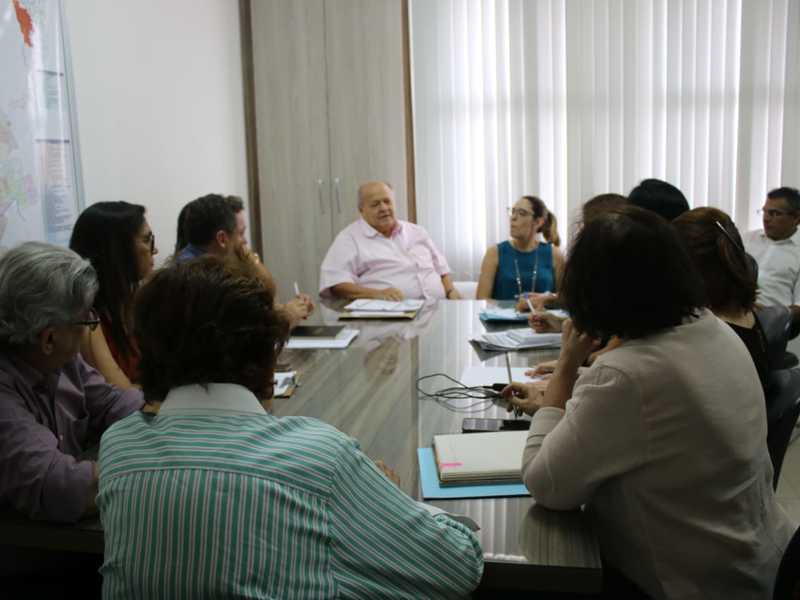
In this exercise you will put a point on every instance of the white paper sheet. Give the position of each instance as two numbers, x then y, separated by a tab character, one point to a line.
340	341
475	376
365	304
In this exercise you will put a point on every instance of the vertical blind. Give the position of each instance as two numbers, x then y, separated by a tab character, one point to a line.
566	99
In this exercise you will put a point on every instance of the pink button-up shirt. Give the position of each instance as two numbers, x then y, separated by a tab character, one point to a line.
407	260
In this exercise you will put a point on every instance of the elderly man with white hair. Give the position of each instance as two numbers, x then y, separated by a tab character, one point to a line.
53	406
382	257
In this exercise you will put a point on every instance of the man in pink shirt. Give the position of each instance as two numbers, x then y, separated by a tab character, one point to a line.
382	257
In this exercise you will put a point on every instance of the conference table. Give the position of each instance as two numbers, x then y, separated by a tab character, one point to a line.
370	391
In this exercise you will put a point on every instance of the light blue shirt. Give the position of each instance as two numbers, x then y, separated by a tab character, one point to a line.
215	498
188	253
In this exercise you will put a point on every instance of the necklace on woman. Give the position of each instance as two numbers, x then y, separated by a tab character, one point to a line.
533	274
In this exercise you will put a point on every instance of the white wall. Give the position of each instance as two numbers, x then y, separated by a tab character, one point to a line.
159	102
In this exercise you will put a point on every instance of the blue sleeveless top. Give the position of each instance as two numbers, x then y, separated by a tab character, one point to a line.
539	260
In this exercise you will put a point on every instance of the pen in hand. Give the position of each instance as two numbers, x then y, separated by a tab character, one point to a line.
510	384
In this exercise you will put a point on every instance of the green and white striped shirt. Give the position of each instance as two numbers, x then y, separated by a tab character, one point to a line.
215	498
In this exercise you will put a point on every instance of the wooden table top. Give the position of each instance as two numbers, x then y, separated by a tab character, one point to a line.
369	391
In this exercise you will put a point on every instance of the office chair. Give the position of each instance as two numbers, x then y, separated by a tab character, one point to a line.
783	409
776	321
787	584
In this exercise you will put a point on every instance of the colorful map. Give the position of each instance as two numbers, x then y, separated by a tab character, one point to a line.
38	175
25	22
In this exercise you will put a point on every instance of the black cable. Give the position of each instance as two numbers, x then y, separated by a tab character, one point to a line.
484	396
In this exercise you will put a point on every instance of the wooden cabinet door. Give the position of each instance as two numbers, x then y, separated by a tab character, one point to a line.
292	134
366	102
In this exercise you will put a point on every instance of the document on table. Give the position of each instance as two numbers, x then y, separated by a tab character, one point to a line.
368	305
342	340
517	339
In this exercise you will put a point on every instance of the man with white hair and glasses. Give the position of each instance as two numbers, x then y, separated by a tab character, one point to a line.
381	257
53	406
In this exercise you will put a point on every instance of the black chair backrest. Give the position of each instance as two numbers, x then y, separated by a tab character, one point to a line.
787	584
783	408
776	322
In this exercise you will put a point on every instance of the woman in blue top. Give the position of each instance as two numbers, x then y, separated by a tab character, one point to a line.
524	265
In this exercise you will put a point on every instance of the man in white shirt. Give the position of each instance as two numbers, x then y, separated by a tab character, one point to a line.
381	257
776	248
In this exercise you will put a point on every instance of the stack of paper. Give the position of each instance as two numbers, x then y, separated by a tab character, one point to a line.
517	339
381	309
480	458
340	340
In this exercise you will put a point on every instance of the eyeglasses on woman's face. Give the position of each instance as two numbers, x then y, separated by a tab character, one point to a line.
150	240
91	321
519	212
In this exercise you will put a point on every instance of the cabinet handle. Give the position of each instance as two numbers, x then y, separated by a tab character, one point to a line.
338	200
319	194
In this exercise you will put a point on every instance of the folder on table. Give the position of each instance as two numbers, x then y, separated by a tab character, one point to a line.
496	313
432	489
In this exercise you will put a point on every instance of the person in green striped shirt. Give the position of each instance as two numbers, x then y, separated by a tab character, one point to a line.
214	497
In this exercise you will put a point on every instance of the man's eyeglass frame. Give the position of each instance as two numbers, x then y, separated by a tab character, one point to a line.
92	322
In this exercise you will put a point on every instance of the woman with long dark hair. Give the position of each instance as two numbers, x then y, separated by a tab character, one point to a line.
117	239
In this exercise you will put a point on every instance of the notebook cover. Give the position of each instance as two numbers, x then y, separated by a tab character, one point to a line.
470	458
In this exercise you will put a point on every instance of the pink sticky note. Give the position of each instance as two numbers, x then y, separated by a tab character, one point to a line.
451	465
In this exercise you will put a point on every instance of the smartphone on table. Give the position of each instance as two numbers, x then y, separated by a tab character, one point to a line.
483	425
